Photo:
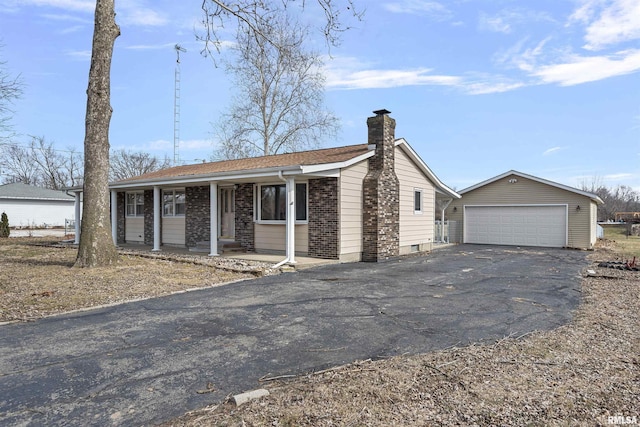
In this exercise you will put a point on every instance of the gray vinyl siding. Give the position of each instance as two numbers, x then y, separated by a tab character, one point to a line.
581	223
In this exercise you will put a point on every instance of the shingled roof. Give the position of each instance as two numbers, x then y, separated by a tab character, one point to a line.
302	158
18	190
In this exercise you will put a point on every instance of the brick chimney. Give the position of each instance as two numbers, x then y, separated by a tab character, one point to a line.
381	193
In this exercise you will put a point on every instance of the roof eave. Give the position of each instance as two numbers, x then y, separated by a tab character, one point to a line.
592	196
440	186
209	177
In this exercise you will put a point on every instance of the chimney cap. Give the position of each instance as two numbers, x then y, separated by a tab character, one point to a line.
382	112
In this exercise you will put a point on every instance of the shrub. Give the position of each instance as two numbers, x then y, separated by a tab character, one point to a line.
4	225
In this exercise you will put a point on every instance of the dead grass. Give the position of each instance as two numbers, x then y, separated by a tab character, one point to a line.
578	374
627	246
37	281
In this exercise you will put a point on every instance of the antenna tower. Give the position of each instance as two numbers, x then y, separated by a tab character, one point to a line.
176	108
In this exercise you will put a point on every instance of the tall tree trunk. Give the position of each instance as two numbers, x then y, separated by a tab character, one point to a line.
96	244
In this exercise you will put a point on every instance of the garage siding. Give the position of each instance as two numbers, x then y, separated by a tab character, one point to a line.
529	192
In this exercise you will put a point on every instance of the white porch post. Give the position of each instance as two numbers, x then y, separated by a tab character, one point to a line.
291	219
78	218
213	200
114	216
157	215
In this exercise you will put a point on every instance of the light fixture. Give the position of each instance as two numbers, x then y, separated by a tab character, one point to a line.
513	180
578	208
455	209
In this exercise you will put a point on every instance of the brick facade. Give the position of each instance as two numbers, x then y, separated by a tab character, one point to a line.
120	204
245	230
197	215
381	193
323	218
148	217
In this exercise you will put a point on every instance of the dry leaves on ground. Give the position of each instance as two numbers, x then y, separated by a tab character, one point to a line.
37	280
578	374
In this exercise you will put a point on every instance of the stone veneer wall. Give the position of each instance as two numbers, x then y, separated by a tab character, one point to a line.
148	217
120	201
197	215
323	218
381	194
245	229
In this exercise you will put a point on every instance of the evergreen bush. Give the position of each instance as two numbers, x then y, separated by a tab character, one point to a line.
4	225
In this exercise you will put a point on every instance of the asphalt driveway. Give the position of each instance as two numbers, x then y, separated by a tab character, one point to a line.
149	361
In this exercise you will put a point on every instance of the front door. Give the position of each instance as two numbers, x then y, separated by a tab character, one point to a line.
227	212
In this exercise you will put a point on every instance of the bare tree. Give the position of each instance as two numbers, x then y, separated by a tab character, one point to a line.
279	107
616	199
96	244
17	165
40	164
10	90
49	162
252	14
127	164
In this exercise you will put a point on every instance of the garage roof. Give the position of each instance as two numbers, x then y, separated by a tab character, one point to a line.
18	190
592	196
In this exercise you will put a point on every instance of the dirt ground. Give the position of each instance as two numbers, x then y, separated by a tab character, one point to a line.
582	373
38	280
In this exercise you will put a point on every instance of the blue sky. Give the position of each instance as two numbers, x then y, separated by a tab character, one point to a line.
546	87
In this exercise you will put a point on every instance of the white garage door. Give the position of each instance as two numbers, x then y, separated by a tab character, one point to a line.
516	225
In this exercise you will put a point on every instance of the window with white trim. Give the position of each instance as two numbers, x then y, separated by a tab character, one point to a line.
417	201
271	202
135	204
173	202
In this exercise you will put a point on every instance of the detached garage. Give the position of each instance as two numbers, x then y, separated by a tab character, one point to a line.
522	210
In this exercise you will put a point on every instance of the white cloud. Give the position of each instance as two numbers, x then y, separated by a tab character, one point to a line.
196	144
521	58
151	46
80	55
490	85
418	7
131	12
608	22
87	6
379	79
618	176
349	73
582	69
73	29
67	17
505	20
141	16
497	24
552	150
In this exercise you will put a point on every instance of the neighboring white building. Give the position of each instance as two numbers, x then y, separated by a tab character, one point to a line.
28	206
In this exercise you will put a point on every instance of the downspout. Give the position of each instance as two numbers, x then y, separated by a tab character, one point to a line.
286	260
